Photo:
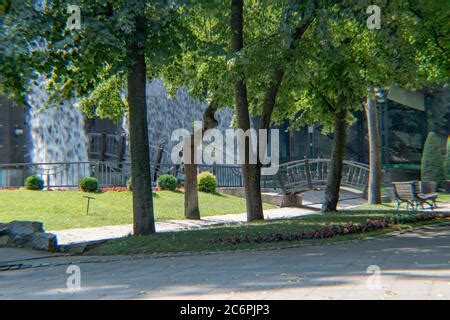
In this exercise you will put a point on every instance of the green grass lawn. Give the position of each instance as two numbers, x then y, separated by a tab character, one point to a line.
67	209
197	240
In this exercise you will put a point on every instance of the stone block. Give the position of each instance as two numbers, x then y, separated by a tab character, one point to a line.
3	229
24	227
43	241
4	240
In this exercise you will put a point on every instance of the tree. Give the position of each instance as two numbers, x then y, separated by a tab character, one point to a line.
247	75
432	162
391	54
120	44
412	54
251	172
268	73
191	206
375	173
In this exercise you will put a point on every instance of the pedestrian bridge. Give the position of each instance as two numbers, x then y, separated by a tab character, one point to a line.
308	174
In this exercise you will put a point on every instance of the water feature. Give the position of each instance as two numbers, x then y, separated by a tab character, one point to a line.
58	134
58	137
166	114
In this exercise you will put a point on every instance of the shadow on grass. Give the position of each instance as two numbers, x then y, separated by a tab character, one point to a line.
215	193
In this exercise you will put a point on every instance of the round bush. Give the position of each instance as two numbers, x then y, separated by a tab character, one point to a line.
129	184
207	182
34	183
167	182
88	184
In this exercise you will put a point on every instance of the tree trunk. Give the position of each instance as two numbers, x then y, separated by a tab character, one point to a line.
337	158
191	204
191	207
251	172
143	218
375	174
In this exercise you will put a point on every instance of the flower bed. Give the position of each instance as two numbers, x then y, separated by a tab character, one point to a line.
331	231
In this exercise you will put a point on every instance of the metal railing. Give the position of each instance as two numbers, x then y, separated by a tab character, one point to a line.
54	174
108	173
291	176
309	173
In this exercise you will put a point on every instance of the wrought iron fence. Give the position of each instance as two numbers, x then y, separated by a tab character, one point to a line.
108	173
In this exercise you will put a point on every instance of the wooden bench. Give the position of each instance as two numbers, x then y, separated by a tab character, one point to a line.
415	193
427	193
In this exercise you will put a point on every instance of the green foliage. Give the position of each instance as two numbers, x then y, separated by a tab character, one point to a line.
432	160
130	184
105	100
330	68
88	184
167	182
447	160
34	183
411	218
90	63
207	182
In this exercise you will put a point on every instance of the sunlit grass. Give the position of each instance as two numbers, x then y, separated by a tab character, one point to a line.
67	209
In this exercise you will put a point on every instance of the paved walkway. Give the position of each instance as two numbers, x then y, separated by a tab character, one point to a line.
68	236
415	265
347	198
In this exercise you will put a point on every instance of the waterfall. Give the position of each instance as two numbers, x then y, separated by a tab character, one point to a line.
58	133
166	114
58	136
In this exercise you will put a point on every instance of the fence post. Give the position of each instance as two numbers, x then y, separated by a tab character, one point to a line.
102	146
120	148
48	181
308	174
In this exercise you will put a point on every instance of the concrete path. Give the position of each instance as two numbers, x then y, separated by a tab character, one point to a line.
68	236
415	265
347	198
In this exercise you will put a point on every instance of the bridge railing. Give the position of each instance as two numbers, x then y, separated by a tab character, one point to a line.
309	173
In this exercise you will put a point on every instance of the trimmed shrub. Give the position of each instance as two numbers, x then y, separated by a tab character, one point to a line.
167	182
88	184
34	183
447	160
207	182
129	184
432	160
